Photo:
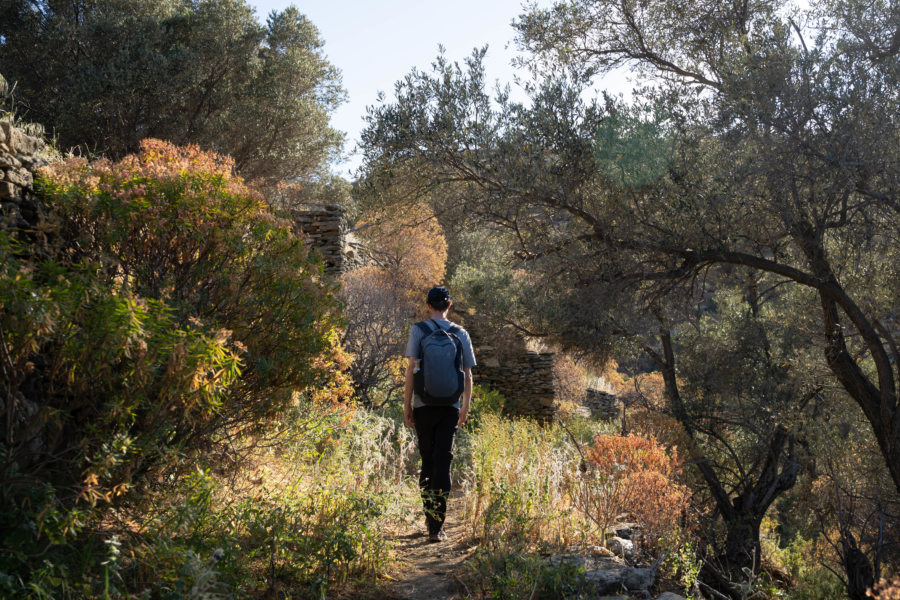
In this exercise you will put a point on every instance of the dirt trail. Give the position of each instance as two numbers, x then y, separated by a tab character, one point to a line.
427	569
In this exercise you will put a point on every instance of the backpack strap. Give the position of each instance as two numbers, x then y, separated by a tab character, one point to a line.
426	330
425	327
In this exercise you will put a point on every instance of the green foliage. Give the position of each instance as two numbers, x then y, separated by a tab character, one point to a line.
515	574
160	310
818	584
518	482
304	515
633	150
486	403
105	75
684	564
289	538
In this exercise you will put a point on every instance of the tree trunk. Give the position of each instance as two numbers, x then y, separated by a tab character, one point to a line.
860	574
742	548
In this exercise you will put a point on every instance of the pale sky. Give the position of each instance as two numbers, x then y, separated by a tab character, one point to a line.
376	43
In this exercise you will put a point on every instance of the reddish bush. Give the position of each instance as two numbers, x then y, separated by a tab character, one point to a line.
633	478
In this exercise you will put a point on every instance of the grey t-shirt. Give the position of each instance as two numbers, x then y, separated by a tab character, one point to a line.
412	349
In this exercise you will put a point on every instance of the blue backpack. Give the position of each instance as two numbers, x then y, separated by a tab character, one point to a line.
440	380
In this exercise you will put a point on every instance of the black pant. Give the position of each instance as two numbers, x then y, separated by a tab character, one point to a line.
435	428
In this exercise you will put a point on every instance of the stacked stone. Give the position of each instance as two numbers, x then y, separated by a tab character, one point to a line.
19	162
523	377
355	253
603	405
325	229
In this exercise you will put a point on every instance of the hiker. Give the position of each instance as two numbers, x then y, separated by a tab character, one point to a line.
436	400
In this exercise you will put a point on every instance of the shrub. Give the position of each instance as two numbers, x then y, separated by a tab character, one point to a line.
515	574
634	477
407	255
886	590
157	310
302	518
518	483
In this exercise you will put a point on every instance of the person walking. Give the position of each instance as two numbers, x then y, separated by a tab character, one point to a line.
436	399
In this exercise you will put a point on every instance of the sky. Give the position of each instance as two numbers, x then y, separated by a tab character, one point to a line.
375	43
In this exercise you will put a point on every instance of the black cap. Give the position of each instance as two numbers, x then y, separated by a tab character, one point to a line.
438	297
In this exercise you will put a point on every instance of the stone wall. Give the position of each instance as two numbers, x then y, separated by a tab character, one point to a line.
526	382
523	377
20	159
603	405
325	228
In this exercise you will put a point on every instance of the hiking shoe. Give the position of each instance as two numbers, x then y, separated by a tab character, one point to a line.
439	536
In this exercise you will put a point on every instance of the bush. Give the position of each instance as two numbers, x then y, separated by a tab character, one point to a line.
301	519
518	479
159	309
634	477
515	574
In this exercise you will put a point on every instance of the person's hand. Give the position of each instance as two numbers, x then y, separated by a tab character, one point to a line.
462	418
408	417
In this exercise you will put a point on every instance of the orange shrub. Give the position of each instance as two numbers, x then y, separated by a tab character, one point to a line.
569	382
633	478
886	590
410	248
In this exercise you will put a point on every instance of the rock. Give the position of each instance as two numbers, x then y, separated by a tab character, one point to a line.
639	579
669	596
574	560
609	575
622	547
606	580
601	551
8	191
624	530
8	161
24	144
19	177
33	163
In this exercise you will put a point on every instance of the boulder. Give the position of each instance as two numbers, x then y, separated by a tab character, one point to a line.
624	530
609	575
8	191
639	579
622	547
669	596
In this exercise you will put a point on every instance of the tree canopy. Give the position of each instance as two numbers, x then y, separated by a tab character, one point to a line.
103	75
760	155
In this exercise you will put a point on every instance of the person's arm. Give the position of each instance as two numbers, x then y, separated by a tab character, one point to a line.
408	392
466	398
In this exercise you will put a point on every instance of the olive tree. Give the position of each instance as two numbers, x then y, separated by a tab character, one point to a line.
752	150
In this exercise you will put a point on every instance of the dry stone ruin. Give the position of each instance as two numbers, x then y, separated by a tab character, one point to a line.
603	405
505	364
20	158
522	376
